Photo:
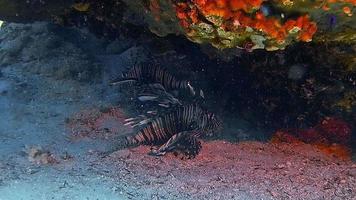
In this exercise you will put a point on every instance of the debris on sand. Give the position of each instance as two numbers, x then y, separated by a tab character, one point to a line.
40	156
66	156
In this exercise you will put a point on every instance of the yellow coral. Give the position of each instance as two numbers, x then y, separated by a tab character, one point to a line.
81	7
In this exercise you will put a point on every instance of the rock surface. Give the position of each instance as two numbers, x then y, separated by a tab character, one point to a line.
223	24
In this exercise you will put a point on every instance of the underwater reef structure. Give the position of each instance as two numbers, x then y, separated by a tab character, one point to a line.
250	24
229	24
297	86
225	24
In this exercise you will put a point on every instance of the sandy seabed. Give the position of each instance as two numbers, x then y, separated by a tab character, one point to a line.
247	170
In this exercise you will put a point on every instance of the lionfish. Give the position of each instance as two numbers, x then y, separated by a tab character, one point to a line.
177	131
149	73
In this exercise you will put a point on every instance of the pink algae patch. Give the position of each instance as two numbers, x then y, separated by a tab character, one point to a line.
95	123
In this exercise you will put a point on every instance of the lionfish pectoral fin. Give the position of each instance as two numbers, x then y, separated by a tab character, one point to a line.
144	98
156	152
163	105
189	147
191	89
152	112
202	94
129	119
130	123
122	81
170	144
144	122
157	86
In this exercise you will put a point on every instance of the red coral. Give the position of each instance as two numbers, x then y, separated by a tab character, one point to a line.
335	150
242	14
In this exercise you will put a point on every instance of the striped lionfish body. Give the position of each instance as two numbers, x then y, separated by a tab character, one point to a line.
177	130
147	74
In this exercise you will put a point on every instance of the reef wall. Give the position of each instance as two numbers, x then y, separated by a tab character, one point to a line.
247	24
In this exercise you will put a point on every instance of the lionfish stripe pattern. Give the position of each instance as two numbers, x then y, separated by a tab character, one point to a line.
152	74
161	129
